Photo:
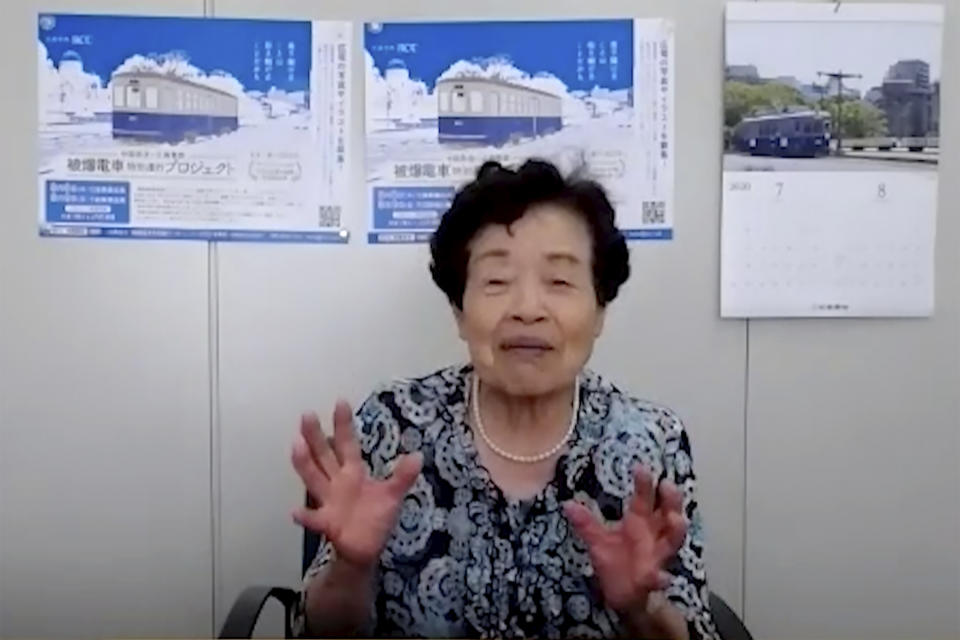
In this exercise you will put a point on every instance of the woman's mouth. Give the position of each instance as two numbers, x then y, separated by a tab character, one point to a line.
529	346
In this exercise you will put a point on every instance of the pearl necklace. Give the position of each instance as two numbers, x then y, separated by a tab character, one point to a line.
478	422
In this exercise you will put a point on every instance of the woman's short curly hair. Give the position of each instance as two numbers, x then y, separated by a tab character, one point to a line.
502	196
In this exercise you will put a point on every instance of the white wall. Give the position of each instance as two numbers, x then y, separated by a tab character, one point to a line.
853	482
104	404
111	495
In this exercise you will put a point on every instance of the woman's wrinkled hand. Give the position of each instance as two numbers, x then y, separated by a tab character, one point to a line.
629	557
354	511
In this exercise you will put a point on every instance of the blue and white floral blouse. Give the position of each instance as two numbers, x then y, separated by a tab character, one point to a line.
465	561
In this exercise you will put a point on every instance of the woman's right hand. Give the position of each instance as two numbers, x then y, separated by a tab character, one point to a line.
355	512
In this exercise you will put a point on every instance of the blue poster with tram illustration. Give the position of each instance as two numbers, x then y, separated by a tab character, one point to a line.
192	128
595	96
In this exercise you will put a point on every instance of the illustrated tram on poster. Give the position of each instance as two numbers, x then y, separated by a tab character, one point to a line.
164	108
488	111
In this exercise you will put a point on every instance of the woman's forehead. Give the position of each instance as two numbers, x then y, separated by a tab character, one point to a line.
547	230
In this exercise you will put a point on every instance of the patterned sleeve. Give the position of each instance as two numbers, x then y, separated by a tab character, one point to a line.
367	423
688	591
317	565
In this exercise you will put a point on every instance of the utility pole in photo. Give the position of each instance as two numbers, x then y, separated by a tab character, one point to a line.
839	76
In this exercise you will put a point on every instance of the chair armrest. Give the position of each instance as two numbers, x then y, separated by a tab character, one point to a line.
246	609
729	625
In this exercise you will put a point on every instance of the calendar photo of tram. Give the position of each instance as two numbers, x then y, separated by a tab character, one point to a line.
161	108
801	134
864	94
487	111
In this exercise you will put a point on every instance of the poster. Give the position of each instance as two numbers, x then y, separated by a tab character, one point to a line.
831	159
443	97
192	128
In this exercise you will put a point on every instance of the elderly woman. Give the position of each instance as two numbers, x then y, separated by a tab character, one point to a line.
520	495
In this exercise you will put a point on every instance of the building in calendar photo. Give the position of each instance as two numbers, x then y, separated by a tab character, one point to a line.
843	92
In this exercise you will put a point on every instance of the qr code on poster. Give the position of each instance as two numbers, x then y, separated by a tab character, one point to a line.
654	212
329	216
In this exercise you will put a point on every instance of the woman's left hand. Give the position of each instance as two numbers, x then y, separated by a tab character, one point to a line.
628	558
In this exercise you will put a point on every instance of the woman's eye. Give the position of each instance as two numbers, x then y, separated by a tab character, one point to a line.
559	282
496	282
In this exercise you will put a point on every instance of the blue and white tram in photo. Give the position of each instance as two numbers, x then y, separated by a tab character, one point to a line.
486	111
163	108
791	134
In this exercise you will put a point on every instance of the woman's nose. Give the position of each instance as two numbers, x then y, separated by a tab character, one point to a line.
528	304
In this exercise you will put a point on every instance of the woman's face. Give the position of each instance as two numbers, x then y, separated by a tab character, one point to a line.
530	313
